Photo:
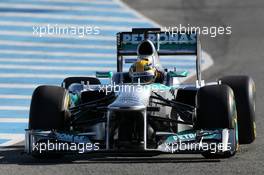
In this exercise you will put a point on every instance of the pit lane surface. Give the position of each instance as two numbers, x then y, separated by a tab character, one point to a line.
241	53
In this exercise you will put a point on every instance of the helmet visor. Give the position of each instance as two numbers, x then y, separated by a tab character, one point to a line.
143	77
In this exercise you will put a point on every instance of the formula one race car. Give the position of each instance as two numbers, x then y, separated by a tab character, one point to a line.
146	108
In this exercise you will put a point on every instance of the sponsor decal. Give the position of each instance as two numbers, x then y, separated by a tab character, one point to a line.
184	137
164	38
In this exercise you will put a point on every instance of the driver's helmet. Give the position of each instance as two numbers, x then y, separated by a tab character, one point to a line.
143	70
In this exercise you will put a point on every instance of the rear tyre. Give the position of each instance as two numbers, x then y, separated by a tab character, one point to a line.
216	109
70	80
48	111
245	96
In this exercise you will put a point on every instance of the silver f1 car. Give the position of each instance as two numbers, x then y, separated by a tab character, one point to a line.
144	111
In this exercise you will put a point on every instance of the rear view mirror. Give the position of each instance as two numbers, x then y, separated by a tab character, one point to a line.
107	74
178	73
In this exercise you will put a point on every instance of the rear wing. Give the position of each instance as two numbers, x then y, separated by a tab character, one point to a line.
165	43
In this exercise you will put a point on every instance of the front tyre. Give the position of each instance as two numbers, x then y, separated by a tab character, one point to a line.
48	111
216	109
245	96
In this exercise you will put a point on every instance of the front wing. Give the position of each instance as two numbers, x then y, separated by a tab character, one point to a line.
191	141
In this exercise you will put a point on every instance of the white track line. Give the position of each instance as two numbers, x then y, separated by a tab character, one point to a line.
12	96
46	76
14	108
39	60
62	25
81	1
75	17
13	120
70	54
64	8
208	61
59	68
14	139
18	86
30	34
48	60
55	45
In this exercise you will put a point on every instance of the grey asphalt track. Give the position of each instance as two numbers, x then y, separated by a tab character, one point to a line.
240	53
